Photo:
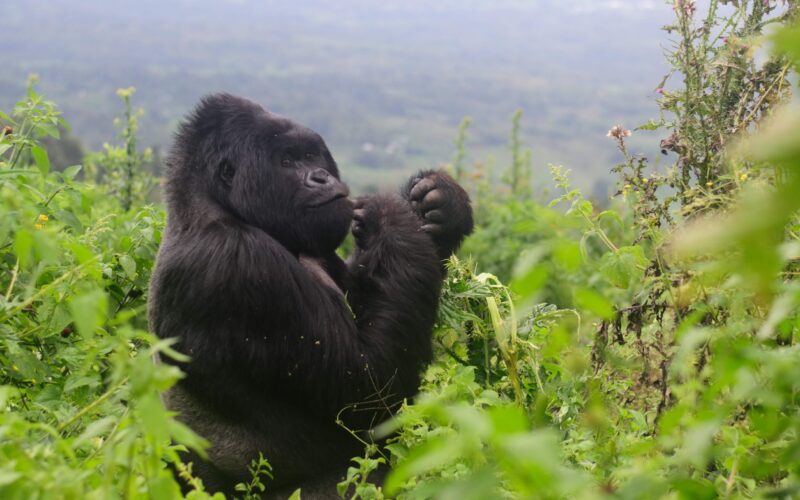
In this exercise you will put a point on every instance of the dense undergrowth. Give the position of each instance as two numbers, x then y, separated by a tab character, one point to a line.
646	348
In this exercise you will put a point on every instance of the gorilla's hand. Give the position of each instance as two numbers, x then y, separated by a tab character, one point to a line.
365	221
384	224
443	206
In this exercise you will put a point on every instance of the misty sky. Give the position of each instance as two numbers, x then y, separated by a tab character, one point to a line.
391	73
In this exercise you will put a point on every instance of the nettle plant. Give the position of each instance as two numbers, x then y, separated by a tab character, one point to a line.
679	374
120	168
81	415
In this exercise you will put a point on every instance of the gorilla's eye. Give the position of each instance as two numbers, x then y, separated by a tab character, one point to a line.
286	162
226	172
310	156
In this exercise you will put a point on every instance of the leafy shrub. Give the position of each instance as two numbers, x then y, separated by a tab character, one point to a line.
649	349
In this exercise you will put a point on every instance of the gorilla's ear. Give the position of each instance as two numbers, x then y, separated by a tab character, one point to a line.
225	172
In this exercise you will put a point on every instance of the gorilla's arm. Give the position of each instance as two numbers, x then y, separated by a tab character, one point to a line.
260	324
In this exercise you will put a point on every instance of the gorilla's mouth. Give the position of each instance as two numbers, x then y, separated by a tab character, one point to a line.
336	196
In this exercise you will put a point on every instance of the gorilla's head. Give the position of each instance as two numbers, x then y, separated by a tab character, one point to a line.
262	168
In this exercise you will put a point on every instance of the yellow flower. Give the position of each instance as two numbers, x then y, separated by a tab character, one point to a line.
38	226
743	177
709	184
43	218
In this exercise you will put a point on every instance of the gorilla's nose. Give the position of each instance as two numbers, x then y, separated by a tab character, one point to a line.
317	178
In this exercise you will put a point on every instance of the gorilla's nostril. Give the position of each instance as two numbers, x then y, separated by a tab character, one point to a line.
318	177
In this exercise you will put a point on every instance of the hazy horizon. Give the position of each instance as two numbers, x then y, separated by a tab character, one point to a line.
386	84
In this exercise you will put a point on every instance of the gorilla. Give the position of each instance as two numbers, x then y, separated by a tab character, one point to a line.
292	351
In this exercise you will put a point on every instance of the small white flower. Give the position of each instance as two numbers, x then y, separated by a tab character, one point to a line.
618	132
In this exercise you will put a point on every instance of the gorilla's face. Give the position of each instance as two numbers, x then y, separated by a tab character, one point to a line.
271	173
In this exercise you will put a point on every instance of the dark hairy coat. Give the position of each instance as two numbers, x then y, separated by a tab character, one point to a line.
284	337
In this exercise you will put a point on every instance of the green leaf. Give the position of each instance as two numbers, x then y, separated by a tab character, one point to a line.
650	125
6	118
530	273
153	416
128	265
787	40
69	218
568	254
23	246
623	267
581	207
430	455
18	172
184	435
46	247
78	381
88	312
48	129
589	300
8	476
94	429
24	363
41	158
613	215
508	420
71	171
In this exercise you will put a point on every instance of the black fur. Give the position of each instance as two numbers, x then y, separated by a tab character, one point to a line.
283	335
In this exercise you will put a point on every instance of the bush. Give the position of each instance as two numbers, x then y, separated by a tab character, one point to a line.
649	349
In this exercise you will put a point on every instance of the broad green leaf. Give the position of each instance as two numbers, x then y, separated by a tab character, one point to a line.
23	246
589	300
88	312
41	158
128	265
568	254
94	429
24	363
71	171
68	217
78	381
612	215
153	416
623	267
8	476
49	129
46	247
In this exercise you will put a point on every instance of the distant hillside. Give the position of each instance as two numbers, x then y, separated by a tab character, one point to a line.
386	83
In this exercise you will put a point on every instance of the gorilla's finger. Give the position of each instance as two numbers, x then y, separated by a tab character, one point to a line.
359	214
358	203
435	216
434	229
434	199
422	187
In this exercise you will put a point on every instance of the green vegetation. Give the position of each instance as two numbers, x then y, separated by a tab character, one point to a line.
646	349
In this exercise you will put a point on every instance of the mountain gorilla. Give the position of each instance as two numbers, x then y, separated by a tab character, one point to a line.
283	336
